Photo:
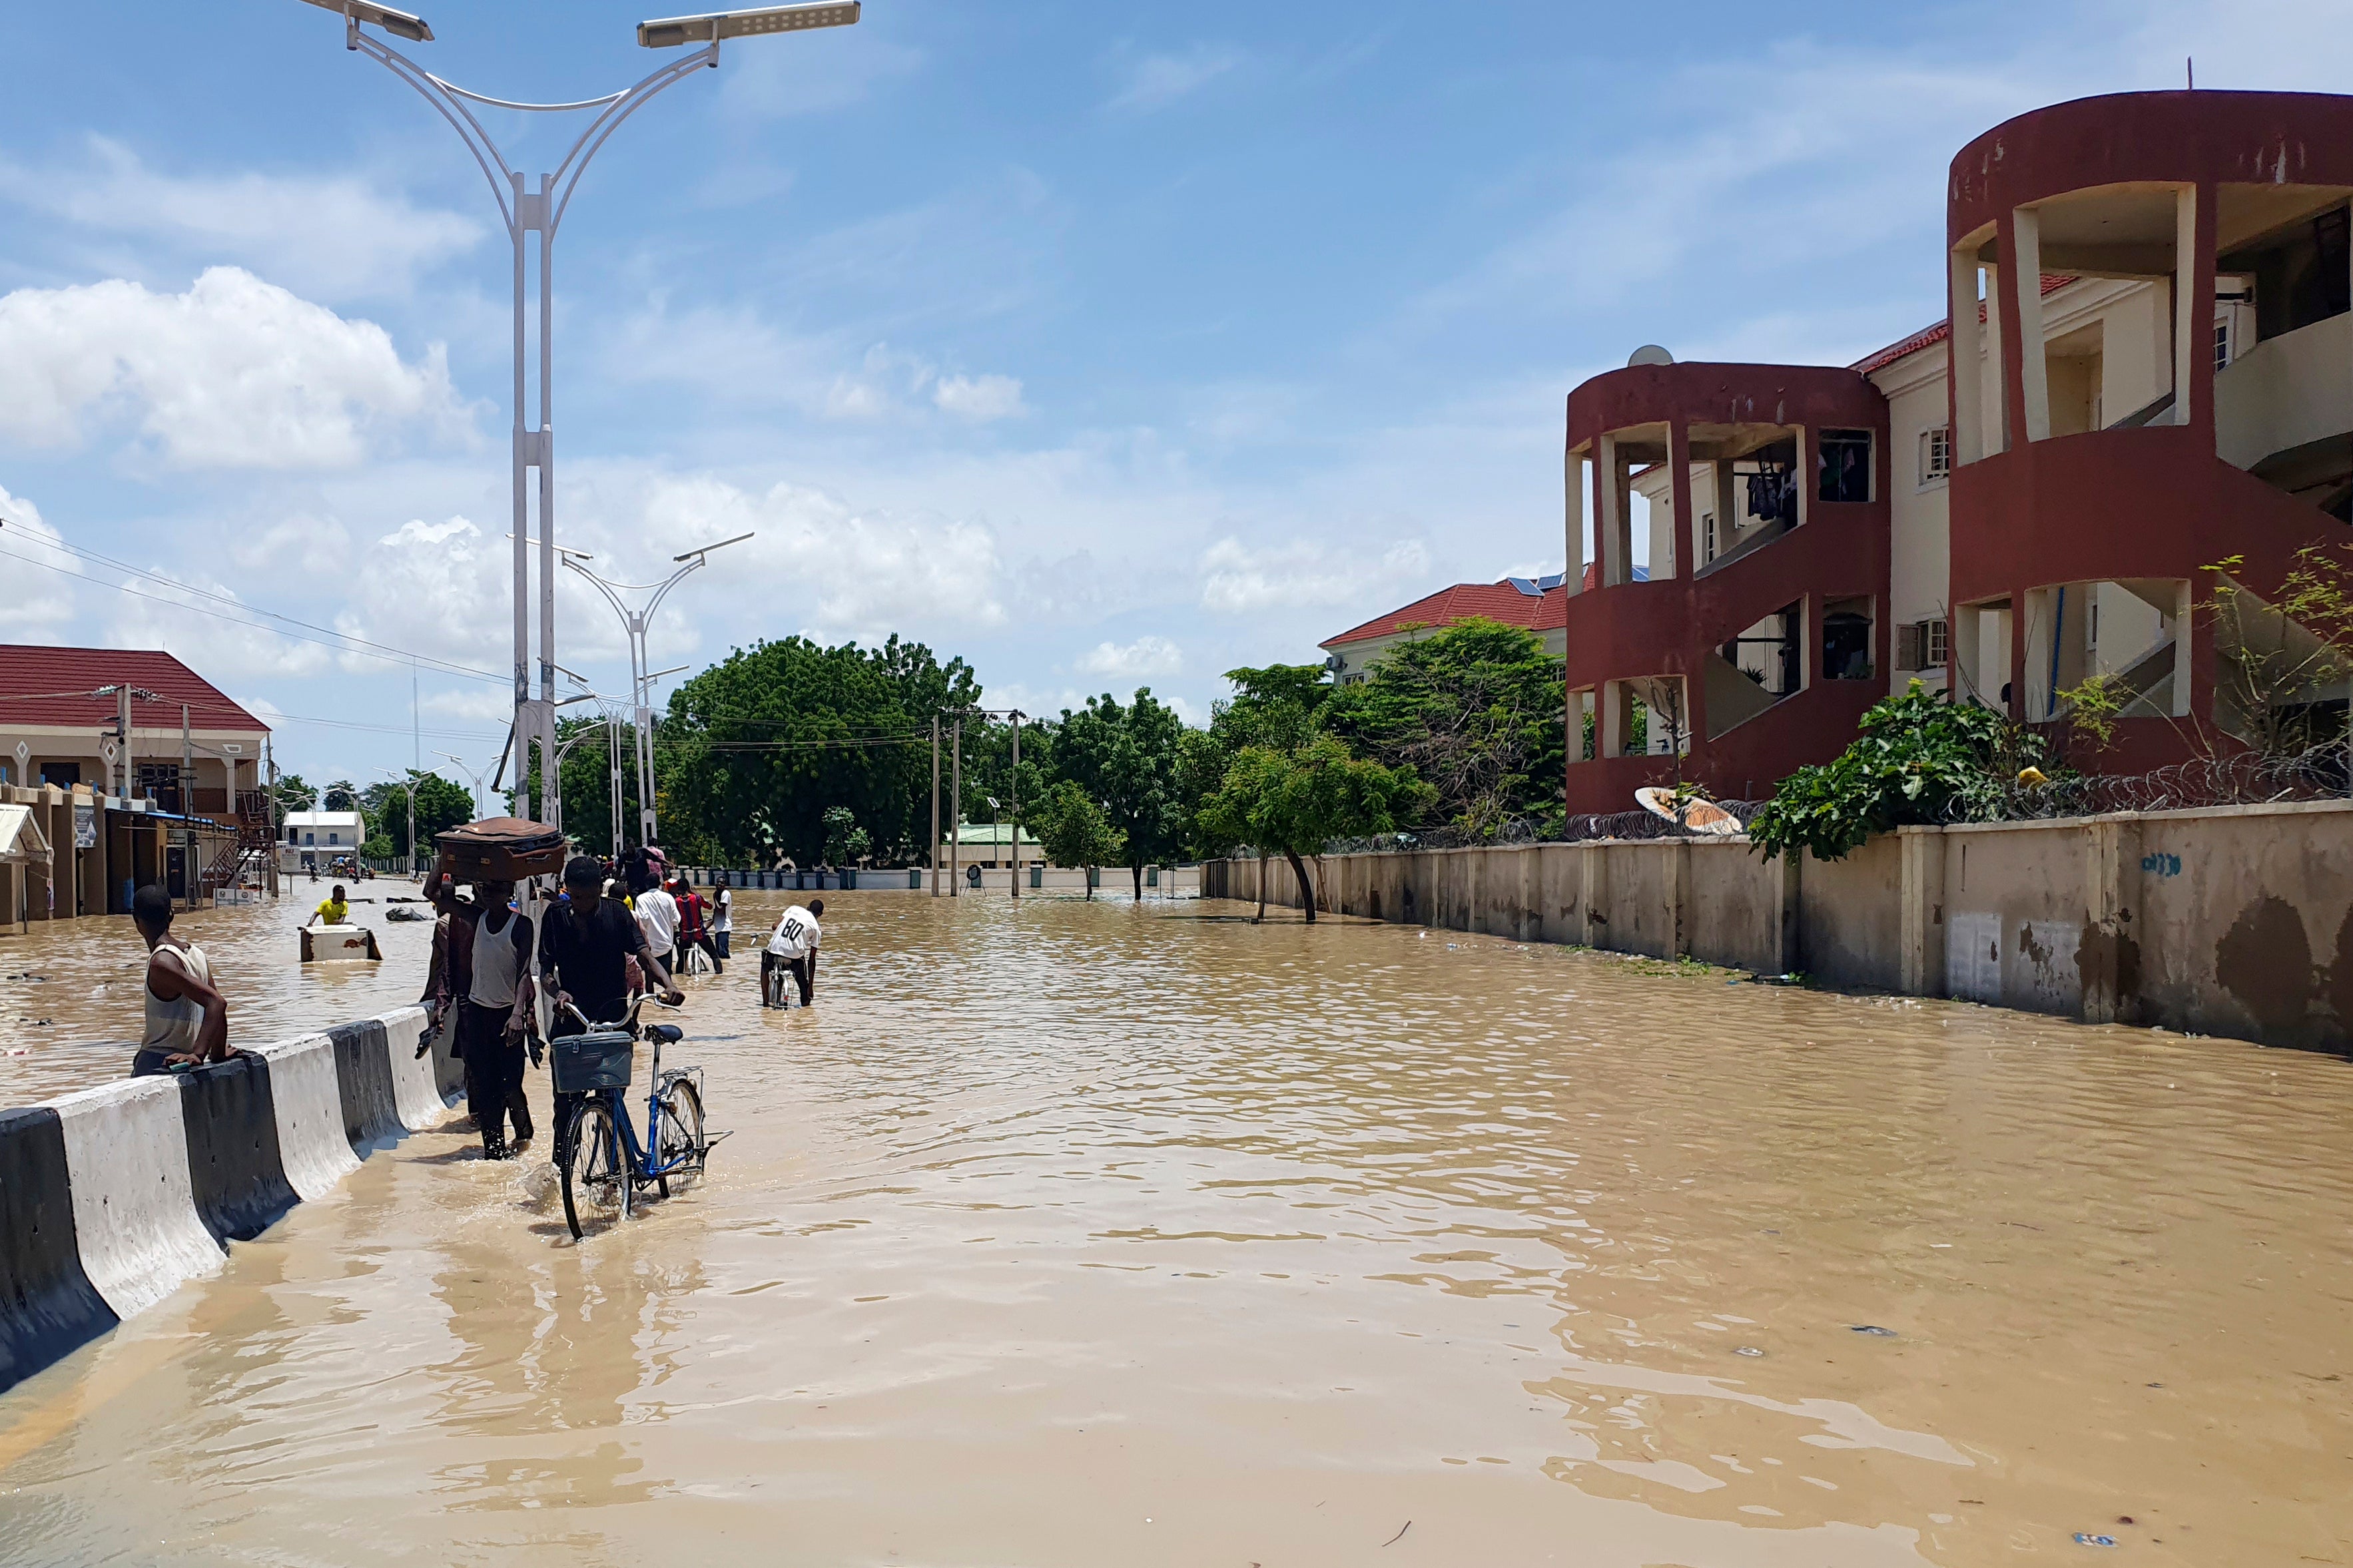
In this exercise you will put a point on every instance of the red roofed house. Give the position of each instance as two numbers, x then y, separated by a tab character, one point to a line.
172	801
1534	603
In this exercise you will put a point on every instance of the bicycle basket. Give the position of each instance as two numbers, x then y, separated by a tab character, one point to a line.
587	1062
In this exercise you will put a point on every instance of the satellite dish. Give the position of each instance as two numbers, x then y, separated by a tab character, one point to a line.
1648	353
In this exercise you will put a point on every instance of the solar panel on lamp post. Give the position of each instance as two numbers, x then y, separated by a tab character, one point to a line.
526	211
713	26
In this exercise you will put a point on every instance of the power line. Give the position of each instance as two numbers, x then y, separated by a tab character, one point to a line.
341	642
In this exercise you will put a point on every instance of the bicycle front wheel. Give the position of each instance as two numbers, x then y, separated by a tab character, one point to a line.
596	1183
678	1134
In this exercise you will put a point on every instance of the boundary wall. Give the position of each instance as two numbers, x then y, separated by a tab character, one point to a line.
2236	921
111	1197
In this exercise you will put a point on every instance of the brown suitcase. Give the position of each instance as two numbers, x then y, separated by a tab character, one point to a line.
501	849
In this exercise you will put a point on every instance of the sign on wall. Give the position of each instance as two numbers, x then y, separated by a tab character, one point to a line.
86	826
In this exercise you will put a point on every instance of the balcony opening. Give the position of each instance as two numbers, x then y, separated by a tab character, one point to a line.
2279	686
1843	467
2072	367
1750	673
2123	634
1846	640
1770	476
1658	717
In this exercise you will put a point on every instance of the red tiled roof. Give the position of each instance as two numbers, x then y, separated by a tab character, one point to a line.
50	686
1927	337
1495	601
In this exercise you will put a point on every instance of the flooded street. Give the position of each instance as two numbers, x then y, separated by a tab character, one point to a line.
70	992
1086	1233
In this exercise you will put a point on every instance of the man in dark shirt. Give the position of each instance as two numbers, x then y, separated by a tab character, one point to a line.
584	945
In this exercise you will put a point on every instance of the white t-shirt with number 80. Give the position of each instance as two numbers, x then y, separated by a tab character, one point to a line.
795	934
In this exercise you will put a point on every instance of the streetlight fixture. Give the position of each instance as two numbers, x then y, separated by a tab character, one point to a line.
481	806
526	211
399	24
635	623
407	788
672	31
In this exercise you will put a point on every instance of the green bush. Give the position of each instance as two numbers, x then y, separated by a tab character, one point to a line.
1920	758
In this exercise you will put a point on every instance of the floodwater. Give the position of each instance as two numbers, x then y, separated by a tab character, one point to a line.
1071	1233
70	1004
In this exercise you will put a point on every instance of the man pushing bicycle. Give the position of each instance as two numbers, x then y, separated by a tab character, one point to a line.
585	946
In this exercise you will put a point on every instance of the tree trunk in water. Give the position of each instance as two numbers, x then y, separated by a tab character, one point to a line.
1137	873
1087	873
1261	885
1307	887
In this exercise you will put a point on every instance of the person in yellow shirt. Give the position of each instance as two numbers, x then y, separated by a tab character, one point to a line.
334	911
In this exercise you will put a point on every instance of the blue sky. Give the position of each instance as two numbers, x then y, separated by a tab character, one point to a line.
1104	345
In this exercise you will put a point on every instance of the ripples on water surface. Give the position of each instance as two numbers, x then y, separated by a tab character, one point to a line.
1090	1234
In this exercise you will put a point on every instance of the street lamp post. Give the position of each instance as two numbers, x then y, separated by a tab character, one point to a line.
525	211
635	623
408	788
482	803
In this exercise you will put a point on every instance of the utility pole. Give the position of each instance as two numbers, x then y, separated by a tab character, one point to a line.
955	810
122	734
270	763
934	855
187	828
1016	805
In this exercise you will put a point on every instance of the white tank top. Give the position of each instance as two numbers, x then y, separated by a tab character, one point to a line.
172	1026
498	962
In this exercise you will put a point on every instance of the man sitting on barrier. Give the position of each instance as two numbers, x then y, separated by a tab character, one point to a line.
188	1020
585	946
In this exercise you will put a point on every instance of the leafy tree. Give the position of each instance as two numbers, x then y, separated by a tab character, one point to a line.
846	843
1293	803
756	749
339	796
1920	758
377	847
441	805
1073	831
1276	706
1131	760
1478	709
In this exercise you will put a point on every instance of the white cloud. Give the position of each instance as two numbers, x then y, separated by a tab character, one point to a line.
236	373
979	398
1158	81
35	605
205	634
820	76
1145	656
334	235
1237	580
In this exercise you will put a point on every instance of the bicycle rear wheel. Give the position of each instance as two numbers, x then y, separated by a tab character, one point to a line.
678	1133
596	1183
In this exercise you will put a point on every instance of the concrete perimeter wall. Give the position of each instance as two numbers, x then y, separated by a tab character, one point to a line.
2235	921
112	1197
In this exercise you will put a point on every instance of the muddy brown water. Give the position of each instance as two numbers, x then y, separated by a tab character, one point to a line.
1072	1234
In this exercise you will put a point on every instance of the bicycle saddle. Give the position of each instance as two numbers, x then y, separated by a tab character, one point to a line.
668	1034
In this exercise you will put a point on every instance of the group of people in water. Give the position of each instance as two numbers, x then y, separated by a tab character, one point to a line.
612	930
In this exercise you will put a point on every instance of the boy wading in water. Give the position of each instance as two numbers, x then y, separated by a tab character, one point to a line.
494	1020
188	1020
793	949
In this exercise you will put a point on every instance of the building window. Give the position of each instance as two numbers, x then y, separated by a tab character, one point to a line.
1935	455
1922	644
335	838
1708	537
311	838
2222	339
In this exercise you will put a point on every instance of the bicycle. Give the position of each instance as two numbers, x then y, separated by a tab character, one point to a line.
599	1157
